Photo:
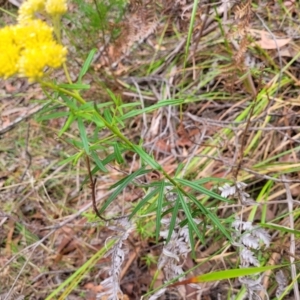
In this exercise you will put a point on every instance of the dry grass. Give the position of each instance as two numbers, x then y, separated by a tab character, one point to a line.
238	121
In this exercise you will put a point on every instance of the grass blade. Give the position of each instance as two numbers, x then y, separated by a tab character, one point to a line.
190	32
227	274
160	199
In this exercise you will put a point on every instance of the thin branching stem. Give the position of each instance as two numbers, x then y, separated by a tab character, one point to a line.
73	94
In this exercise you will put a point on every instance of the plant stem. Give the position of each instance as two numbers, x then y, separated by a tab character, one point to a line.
116	131
57	31
54	87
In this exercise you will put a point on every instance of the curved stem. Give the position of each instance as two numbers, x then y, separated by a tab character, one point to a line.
56	25
73	94
67	73
57	32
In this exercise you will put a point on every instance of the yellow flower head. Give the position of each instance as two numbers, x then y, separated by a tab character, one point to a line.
34	60
27	49
56	7
33	33
32	63
28	9
9	52
6	36
9	61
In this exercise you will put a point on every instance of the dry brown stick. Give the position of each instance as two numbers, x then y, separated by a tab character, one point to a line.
29	158
243	142
198	38
292	239
93	186
129	262
275	257
23	117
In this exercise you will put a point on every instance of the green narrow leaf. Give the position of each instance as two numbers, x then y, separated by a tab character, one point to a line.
131	104
123	179
86	64
117	100
211	215
55	115
121	112
118	154
107	115
146	157
135	112
29	237
111	157
189	216
201	189
283	229
67	124
174	217
143	202
211	179
160	200
70	283
190	32
68	159
83	135
227	274
234	273
71	103
74	86
101	105
99	123
98	162
124	182
179	168
119	122
49	107
192	241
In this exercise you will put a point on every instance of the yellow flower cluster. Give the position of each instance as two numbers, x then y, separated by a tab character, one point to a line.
56	7
27	48
29	8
